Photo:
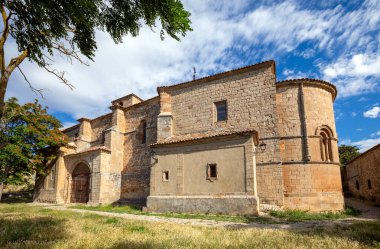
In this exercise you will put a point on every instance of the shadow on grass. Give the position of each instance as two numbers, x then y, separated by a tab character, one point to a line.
21	231
18	197
367	233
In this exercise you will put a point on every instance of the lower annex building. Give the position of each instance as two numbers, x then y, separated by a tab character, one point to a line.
235	142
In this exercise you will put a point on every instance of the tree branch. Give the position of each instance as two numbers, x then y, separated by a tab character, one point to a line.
36	91
60	75
4	37
70	53
15	62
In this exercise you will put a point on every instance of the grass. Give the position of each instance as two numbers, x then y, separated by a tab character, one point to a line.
134	210
298	215
282	216
25	226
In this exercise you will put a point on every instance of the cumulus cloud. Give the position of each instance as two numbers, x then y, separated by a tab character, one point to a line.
366	144
355	75
375	134
227	34
372	113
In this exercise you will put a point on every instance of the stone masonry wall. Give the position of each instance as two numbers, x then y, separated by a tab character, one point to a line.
251	104
97	127
309	185
363	169
136	171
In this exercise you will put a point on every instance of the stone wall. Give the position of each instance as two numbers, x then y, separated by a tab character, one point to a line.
363	169
250	97
98	126
136	171
314	187
188	187
310	183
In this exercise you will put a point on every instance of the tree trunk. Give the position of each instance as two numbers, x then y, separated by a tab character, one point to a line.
1	189
3	88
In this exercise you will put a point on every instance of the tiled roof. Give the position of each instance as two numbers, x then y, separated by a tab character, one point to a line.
201	135
101	148
308	80
223	74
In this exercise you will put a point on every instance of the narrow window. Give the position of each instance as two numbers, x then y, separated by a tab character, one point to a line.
143	127
50	181
221	110
326	147
212	171
357	185
102	138
165	176
369	184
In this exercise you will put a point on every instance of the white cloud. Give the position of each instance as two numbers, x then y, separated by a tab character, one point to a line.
372	113
353	114
67	125
366	143
227	34
351	74
375	134
294	74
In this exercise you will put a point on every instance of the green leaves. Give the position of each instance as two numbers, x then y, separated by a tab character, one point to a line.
30	138
347	153
38	25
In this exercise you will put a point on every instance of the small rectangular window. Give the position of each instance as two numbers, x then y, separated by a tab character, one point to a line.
212	171
165	176
357	185
369	184
221	110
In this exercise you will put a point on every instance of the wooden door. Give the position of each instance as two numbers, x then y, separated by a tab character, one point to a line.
81	188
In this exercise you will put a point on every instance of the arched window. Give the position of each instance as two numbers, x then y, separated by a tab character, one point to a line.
325	141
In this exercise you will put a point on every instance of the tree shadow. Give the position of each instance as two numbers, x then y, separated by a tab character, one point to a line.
367	232
23	231
17	197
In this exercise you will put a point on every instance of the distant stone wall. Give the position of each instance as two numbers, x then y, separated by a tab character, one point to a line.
363	175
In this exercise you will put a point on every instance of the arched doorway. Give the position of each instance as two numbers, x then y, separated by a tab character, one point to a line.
81	184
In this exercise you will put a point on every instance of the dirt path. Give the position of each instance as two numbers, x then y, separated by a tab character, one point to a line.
367	209
211	223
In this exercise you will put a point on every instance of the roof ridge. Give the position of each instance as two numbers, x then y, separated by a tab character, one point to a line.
256	65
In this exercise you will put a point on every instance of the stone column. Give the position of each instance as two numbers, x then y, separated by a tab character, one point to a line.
84	136
61	179
165	118
111	164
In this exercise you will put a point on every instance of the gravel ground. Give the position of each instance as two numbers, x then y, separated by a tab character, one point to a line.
368	214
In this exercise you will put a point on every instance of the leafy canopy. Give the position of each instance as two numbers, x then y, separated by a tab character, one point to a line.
29	140
347	153
41	25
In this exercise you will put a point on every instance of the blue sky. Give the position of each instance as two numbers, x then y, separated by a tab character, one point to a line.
337	41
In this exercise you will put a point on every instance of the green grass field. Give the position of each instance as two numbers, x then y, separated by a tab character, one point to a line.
24	226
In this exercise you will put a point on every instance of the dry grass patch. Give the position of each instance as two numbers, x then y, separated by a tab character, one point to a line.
23	226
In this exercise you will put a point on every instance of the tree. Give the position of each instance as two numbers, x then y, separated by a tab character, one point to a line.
29	141
347	153
43	28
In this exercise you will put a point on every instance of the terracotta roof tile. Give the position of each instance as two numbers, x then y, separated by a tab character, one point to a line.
308	80
199	136
101	148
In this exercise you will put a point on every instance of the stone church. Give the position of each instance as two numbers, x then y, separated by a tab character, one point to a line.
235	142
